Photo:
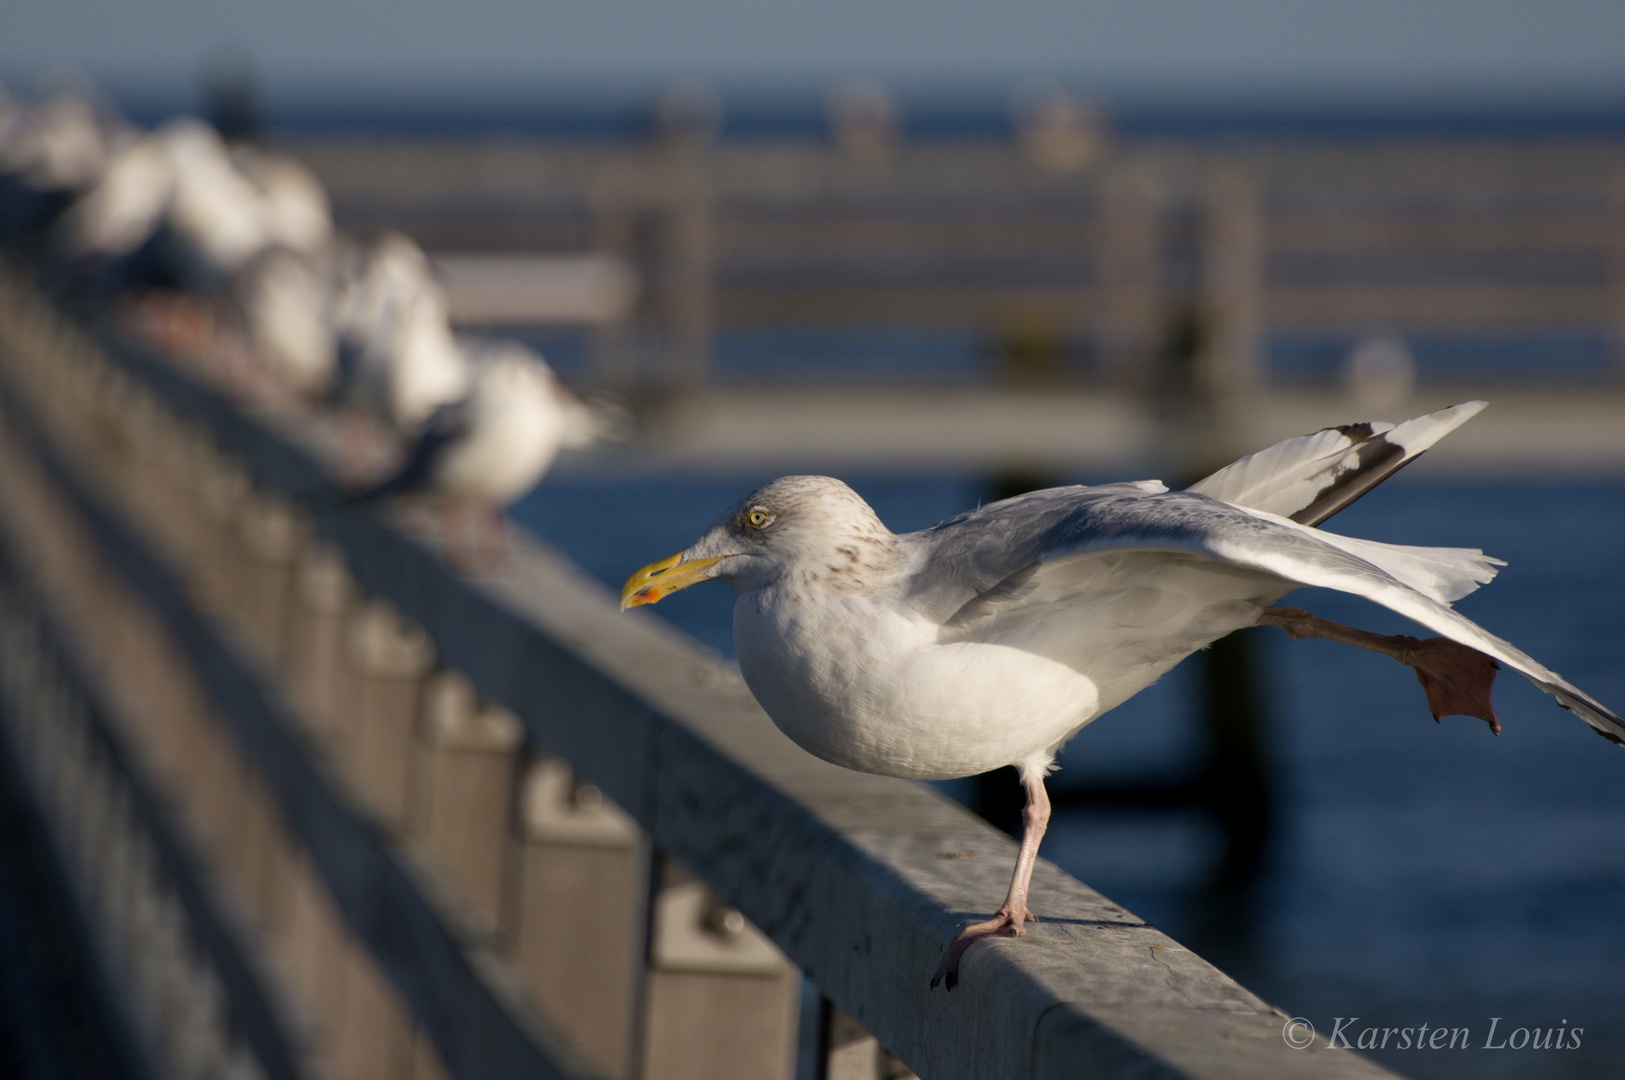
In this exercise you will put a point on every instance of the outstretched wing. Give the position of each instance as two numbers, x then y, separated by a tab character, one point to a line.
1131	581
1312	477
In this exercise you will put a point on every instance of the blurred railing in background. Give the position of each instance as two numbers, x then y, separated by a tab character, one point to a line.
1070	265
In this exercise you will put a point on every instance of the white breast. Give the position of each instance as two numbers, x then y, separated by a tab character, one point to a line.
866	686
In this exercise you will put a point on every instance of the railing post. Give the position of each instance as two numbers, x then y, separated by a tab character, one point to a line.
576	928
271	534
324	594
847	1052
1129	270
388	657
1616	228
1230	364
721	999
224	487
686	270
462	807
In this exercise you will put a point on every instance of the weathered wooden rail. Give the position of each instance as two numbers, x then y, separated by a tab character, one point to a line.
482	825
1466	236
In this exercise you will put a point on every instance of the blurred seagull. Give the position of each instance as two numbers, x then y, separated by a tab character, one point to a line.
50	154
285	302
176	209
991	638
398	361
484	451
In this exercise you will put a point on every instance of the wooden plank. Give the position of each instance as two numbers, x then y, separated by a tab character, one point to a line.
578	921
389	658
720	1000
462	804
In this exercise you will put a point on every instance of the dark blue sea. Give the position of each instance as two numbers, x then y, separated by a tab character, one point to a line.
1415	873
926	111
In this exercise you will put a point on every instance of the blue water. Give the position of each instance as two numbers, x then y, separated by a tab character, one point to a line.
1419	873
798	110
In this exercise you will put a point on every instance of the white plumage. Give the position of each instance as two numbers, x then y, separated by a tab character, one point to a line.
518	417
392	318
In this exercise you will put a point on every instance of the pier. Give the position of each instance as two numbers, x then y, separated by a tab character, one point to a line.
334	809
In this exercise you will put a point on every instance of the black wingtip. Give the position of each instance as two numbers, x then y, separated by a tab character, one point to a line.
1377	460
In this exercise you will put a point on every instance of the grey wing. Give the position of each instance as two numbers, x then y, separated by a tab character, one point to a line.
1312	477
984	553
1109	554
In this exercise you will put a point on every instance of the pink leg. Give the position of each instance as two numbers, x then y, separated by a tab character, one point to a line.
1455	678
1012	917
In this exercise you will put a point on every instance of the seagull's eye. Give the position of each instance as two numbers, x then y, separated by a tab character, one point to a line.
758	518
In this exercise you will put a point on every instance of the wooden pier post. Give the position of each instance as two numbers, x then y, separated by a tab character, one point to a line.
388	658
577	923
684	284
1129	269
224	487
1616	229
462	807
1230	365
324	594
722	1001
271	533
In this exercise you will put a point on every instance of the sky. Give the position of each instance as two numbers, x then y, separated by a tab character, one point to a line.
1447	51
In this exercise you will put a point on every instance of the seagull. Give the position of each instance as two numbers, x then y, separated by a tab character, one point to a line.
993	637
487	449
176	209
398	359
50	154
284	302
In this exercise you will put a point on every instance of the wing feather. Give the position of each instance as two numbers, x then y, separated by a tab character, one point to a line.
1012	573
1312	477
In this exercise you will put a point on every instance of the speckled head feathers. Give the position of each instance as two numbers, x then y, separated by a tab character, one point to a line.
811	528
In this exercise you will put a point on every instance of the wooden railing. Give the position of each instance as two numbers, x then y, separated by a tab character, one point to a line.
482	825
1465	236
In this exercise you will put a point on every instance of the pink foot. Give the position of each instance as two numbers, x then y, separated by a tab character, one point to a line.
1004	924
1456	679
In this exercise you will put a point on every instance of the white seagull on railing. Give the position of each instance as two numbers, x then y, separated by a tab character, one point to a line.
484	451
399	359
177	208
50	154
992	638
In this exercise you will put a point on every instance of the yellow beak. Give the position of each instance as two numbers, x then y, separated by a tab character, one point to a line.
661	579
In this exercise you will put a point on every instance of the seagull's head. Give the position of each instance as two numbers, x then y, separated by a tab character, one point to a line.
810	525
